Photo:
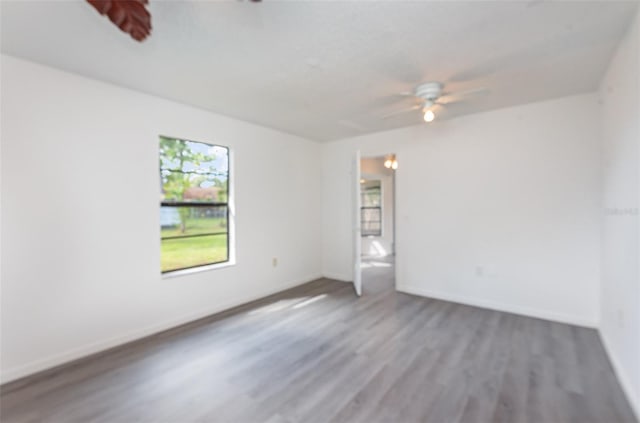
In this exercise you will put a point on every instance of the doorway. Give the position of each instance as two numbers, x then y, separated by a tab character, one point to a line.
377	224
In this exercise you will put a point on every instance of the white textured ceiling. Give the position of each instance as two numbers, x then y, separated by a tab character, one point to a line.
328	70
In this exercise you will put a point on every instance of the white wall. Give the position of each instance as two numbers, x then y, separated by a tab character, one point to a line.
380	246
620	315
499	209
80	219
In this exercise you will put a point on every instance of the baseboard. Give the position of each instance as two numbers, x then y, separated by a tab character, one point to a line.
41	365
632	396
338	277
524	311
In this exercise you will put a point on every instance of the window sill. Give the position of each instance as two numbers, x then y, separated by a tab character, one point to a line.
206	268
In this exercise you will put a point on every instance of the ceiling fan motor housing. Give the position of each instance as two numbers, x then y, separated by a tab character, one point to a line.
429	91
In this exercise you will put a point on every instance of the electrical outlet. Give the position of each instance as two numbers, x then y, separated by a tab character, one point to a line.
274	262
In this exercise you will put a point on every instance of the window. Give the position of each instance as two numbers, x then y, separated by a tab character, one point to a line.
194	210
371	208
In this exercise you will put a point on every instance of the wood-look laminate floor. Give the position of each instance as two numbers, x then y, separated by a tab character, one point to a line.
317	353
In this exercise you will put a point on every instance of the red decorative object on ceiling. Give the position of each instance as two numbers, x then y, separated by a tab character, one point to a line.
131	16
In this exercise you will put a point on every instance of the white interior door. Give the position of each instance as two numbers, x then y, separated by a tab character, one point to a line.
357	230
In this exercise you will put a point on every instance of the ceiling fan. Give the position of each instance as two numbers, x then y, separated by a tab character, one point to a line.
432	99
131	16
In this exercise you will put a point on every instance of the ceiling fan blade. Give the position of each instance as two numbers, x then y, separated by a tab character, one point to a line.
403	94
449	111
473	91
439	110
447	98
450	100
399	112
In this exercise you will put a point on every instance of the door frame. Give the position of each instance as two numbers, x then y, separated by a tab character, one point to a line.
356	230
356	225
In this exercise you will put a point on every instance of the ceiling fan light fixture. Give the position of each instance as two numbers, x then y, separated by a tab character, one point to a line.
390	162
429	116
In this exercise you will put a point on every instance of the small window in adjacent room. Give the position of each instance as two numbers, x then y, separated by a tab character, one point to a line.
194	210
371	208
